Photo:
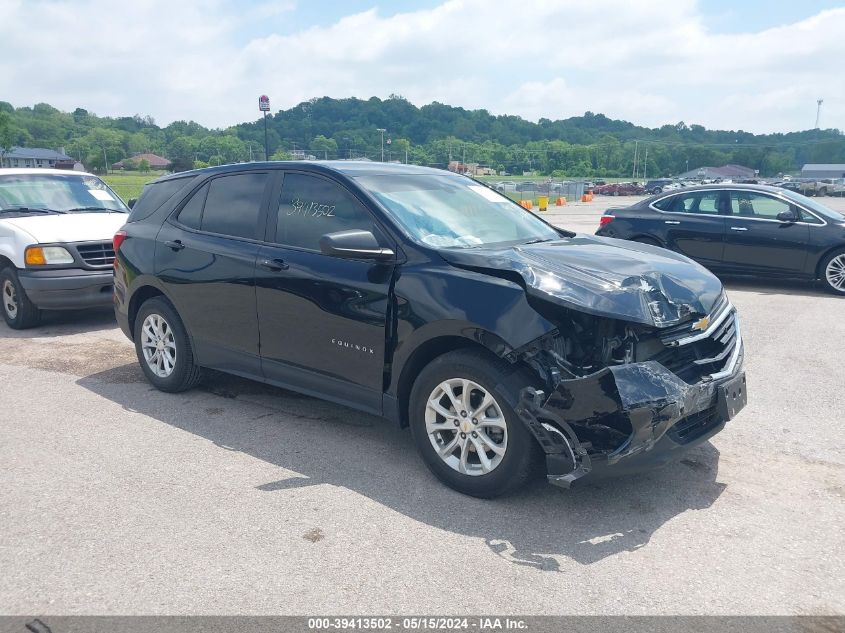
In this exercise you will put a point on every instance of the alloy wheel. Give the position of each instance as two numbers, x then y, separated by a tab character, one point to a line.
158	345
10	299
466	426
835	272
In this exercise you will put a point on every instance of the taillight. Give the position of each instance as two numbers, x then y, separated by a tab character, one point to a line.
605	220
117	240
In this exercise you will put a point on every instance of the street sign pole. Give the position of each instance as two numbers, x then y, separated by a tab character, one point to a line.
266	147
264	107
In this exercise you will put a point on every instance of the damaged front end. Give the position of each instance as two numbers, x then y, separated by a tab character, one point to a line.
622	397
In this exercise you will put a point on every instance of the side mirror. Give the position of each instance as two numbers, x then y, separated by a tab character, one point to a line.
354	244
131	202
788	216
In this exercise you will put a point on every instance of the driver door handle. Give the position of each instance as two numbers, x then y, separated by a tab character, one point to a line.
274	265
738	228
671	222
176	245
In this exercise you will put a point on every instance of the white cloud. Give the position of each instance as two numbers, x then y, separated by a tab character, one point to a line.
648	62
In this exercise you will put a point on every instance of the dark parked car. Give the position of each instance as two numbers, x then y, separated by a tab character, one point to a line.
741	229
436	302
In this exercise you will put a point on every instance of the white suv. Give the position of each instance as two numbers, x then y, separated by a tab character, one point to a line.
56	230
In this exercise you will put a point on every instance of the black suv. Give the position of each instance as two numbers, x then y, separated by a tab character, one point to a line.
656	186
436	302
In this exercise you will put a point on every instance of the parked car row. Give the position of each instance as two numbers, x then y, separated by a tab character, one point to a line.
504	343
620	189
815	187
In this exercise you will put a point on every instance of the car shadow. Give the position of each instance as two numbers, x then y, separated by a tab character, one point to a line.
328	444
63	322
774	286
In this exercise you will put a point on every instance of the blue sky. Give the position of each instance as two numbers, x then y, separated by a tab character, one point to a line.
752	65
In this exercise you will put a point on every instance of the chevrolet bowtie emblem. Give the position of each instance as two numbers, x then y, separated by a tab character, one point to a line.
701	324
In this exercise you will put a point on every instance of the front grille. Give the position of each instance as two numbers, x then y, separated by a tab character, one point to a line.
693	426
99	255
693	355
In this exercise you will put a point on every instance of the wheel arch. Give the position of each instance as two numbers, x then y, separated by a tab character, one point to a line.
5	262
139	297
422	356
649	237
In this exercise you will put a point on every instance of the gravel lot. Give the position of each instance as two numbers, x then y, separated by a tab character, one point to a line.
237	498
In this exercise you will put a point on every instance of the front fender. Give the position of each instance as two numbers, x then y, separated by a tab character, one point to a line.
432	303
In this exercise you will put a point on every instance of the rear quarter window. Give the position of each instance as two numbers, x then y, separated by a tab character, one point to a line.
155	195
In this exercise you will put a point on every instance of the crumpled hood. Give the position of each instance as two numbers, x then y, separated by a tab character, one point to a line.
604	276
73	227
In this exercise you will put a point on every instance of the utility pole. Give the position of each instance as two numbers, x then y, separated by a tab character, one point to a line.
382	130
634	172
645	164
819	103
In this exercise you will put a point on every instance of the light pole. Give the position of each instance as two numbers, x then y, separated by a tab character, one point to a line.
382	130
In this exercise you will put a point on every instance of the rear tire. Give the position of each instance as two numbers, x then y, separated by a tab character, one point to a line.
833	272
164	347
510	454
18	311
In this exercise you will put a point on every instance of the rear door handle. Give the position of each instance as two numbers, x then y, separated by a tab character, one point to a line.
671	222
273	265
738	228
176	245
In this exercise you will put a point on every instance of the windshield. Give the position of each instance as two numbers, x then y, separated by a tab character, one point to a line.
454	212
812	205
71	193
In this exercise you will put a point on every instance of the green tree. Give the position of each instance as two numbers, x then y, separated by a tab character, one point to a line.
144	165
324	147
281	154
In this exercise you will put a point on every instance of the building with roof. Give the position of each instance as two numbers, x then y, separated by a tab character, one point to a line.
725	172
155	161
823	170
35	157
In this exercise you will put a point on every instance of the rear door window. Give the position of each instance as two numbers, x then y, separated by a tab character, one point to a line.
703	202
233	205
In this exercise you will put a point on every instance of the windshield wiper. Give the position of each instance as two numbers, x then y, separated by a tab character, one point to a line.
106	209
539	240
28	210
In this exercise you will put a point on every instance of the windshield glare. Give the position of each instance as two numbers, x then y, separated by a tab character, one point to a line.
454	212
57	192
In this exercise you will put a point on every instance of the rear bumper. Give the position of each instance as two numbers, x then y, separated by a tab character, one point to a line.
68	289
627	419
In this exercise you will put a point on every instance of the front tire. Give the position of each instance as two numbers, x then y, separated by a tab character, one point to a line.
18	311
833	272
164	348
466	430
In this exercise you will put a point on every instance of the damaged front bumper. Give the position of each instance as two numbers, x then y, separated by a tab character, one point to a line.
630	417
